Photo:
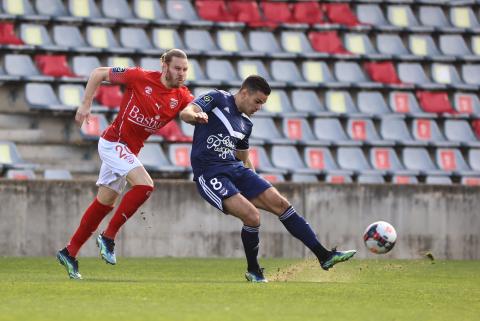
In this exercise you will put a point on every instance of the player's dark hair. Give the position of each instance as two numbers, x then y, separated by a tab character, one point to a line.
168	55
256	83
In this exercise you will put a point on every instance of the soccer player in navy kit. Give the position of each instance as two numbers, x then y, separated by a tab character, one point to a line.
226	178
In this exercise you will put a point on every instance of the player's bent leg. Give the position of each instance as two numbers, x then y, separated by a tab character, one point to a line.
272	201
70	264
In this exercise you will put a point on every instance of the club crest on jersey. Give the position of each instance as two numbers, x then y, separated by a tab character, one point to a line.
148	90
118	69
173	103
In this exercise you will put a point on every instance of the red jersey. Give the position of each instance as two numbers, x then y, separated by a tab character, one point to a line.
146	106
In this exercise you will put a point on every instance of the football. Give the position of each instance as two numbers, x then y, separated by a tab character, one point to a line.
380	237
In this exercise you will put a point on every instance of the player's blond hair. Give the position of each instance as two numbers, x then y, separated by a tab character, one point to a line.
168	55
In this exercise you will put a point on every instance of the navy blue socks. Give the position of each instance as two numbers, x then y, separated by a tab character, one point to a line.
250	242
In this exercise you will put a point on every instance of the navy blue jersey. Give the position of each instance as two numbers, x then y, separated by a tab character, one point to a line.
214	144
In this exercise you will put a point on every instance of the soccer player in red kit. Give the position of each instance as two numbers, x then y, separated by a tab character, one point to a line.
150	101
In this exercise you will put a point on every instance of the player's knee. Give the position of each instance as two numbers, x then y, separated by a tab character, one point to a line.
252	218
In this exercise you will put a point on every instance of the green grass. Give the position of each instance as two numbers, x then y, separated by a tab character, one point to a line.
214	289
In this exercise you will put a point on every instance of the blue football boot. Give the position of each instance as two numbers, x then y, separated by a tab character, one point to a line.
107	247
70	264
337	257
256	276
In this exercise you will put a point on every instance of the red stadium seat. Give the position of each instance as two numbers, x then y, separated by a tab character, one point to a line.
327	41
307	12
249	13
476	127
53	65
277	12
7	34
110	96
435	102
172	132
383	72
213	10
340	13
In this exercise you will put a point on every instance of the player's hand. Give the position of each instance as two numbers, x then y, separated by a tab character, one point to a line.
200	118
81	116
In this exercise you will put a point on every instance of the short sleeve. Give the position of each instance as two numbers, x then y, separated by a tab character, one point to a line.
120	75
208	101
243	144
187	98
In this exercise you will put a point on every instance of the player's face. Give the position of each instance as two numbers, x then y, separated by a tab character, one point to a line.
253	102
176	72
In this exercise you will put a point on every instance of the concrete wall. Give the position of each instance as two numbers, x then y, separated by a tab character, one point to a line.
38	217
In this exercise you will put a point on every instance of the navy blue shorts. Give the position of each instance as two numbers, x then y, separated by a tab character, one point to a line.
214	189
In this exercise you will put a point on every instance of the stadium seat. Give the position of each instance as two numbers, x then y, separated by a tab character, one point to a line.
71	95
438	180
295	42
352	158
445	74
417	158
153	159
11	158
370	179
201	41
454	45
395	129
340	102
320	159
466	103
172	132
372	103
340	13
195	74
392	44
327	42
166	38
277	12
247	67
273	178
124	62
149	10
433	16
221	70
233	41
22	65
307	12
23	9
383	72
53	65
471	74
287	157
471	181
87	9
103	38
57	174
450	159
404	179
338	179
187	129
20	174
179	155
427	130
304	178
38	36
307	101
121	11
298	130
474	158
261	162
110	96
94	128
461	132
435	102
279	105
213	10
54	9
385	159
70	37
371	14
330	131
358	43
264	42
463	17
264	130
403	102
137	39
181	10
423	46
7	34
287	71
42	96
84	65
401	16
413	73
352	74
363	130
248	12
317	72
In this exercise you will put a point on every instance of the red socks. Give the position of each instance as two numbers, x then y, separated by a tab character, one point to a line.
131	201
88	224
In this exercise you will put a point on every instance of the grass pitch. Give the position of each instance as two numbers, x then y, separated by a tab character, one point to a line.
214	289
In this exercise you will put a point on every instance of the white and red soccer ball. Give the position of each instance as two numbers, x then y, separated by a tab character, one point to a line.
380	237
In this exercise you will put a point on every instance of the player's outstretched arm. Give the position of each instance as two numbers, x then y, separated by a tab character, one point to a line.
193	114
96	77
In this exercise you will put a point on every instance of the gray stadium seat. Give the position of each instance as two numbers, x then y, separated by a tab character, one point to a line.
370	179
55	9
153	159
372	103
125	62
392	44
70	37
278	104
148	10
474	158
87	9
371	14
261	162
401	16
304	178
137	38
447	74
404	179
179	156
38	36
221	70
427	130
340	102
417	158
403	102
363	130
196	75
166	38
272	177
264	130
320	158
287	71
295	42
433	16
298	130
24	9
466	103
422	45
384	158
54	174
352	158
450	159
471	74
247	67
358	43
463	17
307	101
329	130
20	174
395	129
201	41
233	41
317	72
103	38
182	10
121	11
42	96
11	158
264	42
461	132
287	157
454	45
84	65
338	179
412	73
22	65
152	63
438	180
351	73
